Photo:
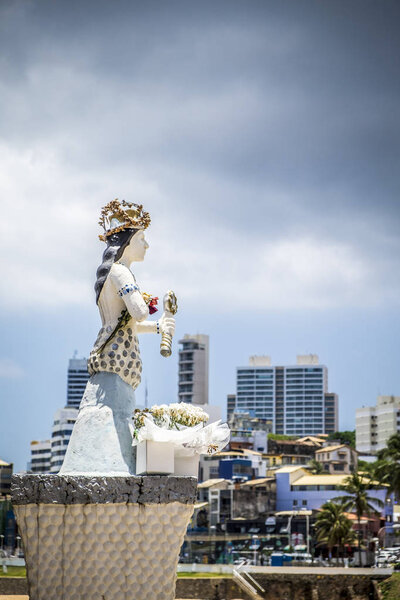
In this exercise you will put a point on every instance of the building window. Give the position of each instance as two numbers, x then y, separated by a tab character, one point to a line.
338	467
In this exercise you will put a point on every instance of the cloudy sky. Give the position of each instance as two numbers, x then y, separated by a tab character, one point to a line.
263	138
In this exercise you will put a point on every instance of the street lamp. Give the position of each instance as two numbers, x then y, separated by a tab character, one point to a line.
289	529
255	546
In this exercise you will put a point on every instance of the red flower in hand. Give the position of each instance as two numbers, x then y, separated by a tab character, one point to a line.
152	305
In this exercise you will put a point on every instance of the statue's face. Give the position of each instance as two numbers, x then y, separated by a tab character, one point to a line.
137	247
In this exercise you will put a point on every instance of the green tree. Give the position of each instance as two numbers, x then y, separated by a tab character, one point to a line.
358	500
344	437
387	467
367	468
333	527
281	436
315	467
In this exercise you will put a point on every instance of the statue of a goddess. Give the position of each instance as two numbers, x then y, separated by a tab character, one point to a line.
101	441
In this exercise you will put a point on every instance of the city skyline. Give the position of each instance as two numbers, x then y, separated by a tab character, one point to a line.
264	143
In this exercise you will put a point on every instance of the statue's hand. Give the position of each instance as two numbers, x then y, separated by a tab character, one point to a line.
167	324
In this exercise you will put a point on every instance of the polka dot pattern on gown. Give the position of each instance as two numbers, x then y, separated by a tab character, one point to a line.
120	355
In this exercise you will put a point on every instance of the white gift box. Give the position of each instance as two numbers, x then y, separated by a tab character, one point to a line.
187	465
154	458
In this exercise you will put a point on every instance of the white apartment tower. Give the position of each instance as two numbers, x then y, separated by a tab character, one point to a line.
40	456
294	397
64	421
193	369
375	424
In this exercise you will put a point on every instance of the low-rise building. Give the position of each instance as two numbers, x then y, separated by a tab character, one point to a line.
208	467
235	465
290	452
297	489
303	448
338	458
225	501
249	432
274	461
236	468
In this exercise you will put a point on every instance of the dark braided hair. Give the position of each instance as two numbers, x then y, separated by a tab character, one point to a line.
116	244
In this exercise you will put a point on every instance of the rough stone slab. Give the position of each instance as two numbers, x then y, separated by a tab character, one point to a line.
80	489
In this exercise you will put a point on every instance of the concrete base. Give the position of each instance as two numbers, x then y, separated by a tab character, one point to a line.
102	538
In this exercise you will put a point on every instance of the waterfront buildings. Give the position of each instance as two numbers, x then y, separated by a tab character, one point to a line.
40	456
193	369
375	424
294	398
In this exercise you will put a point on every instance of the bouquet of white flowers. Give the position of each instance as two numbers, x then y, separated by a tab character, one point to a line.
181	424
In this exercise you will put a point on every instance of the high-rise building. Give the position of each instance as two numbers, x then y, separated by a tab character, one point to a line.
48	455
64	421
294	397
40	456
331	412
78	376
193	369
375	424
230	406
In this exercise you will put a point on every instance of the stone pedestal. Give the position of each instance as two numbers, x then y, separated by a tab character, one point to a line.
102	538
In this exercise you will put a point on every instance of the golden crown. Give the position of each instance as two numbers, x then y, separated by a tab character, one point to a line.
116	216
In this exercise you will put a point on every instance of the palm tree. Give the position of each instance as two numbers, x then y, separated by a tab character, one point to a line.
333	527
387	467
315	467
357	500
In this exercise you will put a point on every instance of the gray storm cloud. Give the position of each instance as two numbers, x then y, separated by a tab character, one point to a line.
263	136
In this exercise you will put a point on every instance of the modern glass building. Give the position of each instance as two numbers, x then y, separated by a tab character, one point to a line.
76	382
293	397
